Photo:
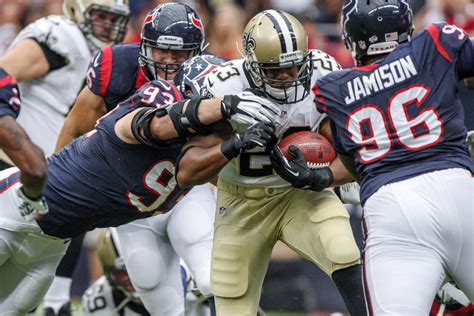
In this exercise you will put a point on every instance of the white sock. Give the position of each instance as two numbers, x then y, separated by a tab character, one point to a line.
58	294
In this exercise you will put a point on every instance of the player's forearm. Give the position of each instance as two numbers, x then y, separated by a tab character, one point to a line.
200	165
209	111
68	133
340	173
26	61
25	155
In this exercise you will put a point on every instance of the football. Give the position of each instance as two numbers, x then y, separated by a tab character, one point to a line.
317	150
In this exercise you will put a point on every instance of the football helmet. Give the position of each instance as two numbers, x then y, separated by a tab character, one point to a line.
375	27
170	26
112	32
191	74
109	255
275	41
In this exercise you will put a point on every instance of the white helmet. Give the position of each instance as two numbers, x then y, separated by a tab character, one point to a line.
80	12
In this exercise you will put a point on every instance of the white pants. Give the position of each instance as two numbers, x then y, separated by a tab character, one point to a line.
418	231
28	258
152	248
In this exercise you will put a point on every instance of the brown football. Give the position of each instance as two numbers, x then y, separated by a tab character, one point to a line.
317	150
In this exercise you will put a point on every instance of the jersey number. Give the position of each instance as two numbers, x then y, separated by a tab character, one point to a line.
255	165
412	133
160	181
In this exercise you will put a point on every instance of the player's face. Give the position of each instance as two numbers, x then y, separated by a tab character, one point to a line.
172	57
282	77
103	23
121	277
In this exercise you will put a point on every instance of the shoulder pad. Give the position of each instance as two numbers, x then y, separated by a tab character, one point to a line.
225	79
323	62
58	33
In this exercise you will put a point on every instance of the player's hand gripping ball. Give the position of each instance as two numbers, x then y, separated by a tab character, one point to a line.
317	150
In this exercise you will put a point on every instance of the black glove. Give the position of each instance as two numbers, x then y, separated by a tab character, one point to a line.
249	108
258	135
297	172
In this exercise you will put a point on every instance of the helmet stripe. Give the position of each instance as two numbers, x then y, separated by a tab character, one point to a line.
292	31
282	30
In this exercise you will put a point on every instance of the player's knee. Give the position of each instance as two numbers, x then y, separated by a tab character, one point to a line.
145	268
341	248
203	281
230	273
31	292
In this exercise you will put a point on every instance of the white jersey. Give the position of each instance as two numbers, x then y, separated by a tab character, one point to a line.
253	168
98	300
46	101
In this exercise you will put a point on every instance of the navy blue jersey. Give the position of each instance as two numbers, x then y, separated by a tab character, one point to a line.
114	73
402	117
100	181
9	95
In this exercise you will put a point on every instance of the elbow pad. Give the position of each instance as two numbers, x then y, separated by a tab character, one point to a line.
188	123
141	126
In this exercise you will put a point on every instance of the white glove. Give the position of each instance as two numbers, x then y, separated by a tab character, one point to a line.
248	108
30	208
348	193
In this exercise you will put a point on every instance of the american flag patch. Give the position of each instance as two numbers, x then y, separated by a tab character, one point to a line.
393	36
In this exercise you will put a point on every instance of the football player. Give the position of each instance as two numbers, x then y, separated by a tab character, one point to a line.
399	128
256	207
121	171
49	60
171	34
113	294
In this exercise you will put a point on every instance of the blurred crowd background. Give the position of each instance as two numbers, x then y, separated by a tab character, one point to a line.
291	284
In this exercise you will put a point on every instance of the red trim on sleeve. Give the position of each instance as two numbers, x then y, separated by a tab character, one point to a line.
434	33
6	81
321	98
176	92
105	69
366	68
141	79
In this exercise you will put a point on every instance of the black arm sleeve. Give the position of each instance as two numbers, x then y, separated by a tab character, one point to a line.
55	60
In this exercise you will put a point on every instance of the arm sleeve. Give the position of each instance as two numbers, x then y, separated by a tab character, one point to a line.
55	60
9	95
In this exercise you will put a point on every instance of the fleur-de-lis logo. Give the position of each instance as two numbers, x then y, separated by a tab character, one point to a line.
249	41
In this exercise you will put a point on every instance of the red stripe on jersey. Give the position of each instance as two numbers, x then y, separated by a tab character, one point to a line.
434	33
105	69
6	81
366	68
321	98
141	79
176	92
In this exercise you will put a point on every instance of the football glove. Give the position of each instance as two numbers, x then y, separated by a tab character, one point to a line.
297	172
248	108
348	193
29	208
258	135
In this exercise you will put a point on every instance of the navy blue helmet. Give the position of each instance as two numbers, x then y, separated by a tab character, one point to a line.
170	26
372	27
191	74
